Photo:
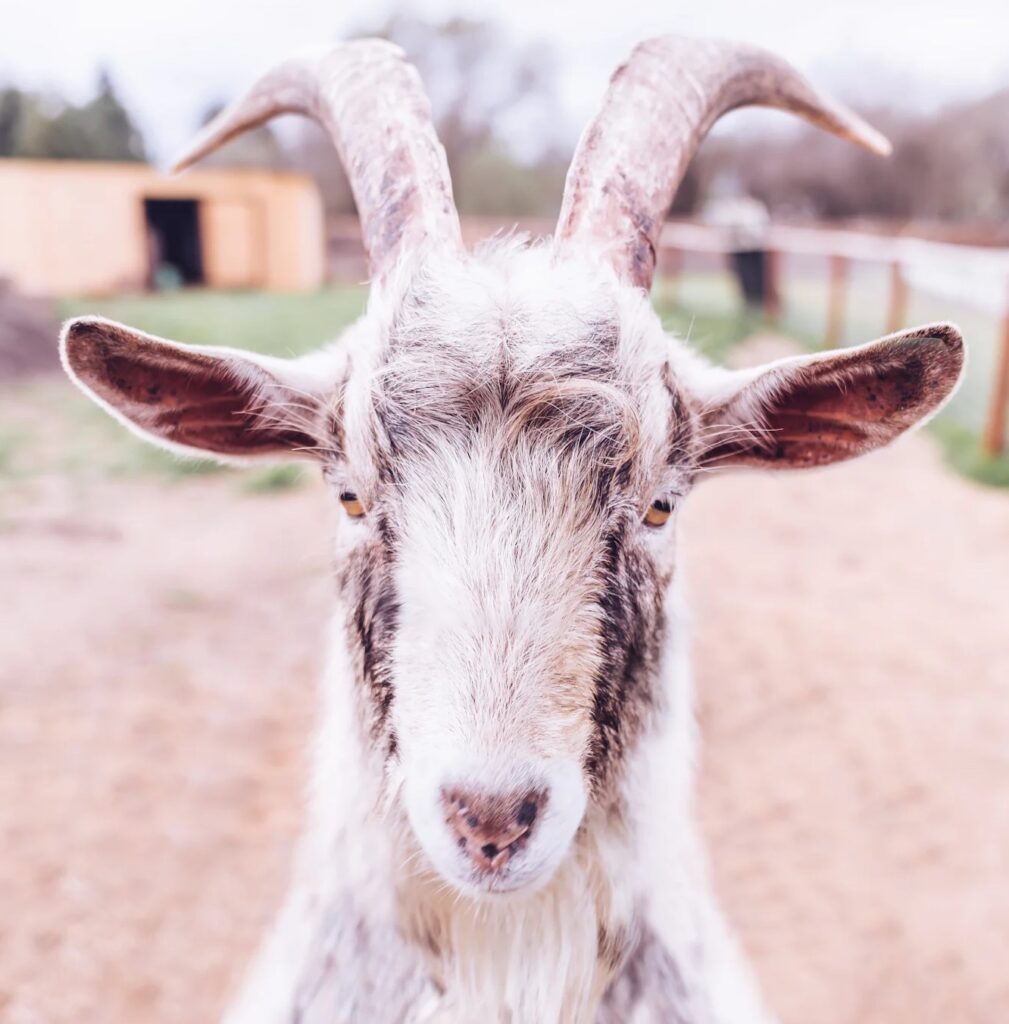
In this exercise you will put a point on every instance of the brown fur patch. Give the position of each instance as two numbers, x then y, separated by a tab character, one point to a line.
652	984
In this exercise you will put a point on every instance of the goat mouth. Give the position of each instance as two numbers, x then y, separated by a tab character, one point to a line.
498	855
504	885
512	880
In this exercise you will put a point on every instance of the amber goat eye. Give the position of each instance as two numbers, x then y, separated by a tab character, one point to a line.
658	512
352	504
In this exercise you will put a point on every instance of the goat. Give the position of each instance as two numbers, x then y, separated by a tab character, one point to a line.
500	825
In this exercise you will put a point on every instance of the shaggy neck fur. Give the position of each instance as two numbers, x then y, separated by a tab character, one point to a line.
545	956
549	955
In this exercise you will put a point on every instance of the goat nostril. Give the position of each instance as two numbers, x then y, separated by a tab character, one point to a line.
527	813
490	851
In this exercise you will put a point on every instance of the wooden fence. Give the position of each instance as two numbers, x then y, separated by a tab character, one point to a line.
903	256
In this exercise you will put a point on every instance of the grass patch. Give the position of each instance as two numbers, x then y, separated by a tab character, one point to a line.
138	458
705	311
712	334
93	441
708	322
280	325
715	335
273	478
962	450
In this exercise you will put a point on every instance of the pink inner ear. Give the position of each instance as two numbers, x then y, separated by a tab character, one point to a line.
832	409
185	397
837	412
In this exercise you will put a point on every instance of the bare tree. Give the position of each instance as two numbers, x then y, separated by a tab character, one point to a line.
480	81
951	165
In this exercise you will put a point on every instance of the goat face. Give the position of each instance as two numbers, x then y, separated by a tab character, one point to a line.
502	573
511	435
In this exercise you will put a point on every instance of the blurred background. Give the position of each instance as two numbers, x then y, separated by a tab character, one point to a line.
161	629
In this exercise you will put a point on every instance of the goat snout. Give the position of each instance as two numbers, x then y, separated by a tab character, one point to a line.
490	830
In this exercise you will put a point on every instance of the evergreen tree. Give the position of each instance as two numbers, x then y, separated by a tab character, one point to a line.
101	129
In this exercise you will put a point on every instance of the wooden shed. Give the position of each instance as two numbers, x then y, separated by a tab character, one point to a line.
87	228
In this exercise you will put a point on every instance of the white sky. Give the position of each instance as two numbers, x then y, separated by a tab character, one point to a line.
170	60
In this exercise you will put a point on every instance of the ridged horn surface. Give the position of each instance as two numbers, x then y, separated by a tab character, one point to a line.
374	108
659	106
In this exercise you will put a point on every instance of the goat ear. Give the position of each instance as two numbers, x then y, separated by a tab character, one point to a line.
190	399
814	410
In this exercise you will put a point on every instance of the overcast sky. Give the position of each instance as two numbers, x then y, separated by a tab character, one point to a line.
170	60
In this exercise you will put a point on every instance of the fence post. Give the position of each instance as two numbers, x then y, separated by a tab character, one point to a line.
995	423
835	309
672	268
897	314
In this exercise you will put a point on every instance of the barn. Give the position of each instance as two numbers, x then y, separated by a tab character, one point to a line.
91	228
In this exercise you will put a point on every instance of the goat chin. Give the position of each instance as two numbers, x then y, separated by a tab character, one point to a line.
528	957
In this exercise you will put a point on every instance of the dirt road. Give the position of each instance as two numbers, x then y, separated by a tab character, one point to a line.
158	649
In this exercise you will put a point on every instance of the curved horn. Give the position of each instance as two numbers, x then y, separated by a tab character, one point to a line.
372	104
657	109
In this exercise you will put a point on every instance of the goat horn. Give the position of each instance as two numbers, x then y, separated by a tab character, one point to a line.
657	109
372	104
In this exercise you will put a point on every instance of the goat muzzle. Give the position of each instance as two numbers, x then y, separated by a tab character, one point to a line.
492	829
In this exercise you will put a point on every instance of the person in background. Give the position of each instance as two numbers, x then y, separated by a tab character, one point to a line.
745	220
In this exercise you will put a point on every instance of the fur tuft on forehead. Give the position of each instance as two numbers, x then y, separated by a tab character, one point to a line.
507	344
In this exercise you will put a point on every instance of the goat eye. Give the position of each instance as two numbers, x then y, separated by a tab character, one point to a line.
658	512
351	504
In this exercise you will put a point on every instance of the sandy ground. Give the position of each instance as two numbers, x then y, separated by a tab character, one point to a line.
158	650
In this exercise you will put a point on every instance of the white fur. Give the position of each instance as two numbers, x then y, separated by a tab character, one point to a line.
471	666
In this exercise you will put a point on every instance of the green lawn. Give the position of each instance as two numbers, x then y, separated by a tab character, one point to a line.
287	325
281	325
78	438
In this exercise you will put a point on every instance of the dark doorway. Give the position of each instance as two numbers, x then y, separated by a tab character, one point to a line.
173	234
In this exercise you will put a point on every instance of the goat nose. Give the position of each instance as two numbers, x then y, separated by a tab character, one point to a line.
491	829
